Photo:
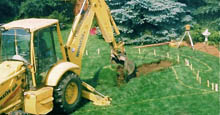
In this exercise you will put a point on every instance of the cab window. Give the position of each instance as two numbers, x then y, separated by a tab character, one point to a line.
15	44
45	54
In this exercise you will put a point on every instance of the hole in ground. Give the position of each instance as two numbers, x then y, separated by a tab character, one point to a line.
148	68
142	70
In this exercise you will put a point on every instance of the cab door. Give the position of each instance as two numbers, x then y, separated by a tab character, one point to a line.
45	53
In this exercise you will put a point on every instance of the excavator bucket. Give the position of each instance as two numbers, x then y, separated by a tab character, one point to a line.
129	67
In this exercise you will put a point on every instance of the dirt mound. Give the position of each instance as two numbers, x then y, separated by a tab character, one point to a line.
141	70
147	68
208	49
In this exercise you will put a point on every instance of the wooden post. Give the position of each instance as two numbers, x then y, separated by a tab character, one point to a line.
213	86
178	58
187	62
168	55
86	52
159	44
200	80
155	54
216	87
98	51
208	83
139	50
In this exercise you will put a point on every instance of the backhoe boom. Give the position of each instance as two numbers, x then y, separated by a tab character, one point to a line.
78	37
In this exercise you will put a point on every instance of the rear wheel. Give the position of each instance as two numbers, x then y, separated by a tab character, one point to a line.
67	93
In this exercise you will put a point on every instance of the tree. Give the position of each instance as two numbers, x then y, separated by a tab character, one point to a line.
7	10
16	9
46	8
142	20
211	7
208	13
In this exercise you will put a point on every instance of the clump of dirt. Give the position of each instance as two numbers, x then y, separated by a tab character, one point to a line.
141	70
121	75
208	49
147	68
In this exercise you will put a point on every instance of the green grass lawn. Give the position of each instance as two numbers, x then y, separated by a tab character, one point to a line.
172	91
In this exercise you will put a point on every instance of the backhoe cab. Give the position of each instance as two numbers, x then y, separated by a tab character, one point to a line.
35	74
39	73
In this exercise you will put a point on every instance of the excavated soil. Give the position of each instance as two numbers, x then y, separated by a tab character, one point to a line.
212	50
208	49
147	68
142	70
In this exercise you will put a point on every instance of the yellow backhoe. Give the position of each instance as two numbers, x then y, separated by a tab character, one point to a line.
34	78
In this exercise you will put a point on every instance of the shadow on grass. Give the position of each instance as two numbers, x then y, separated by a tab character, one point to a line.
93	82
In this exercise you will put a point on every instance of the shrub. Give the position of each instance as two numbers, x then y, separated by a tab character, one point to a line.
45	8
163	18
197	36
214	37
60	16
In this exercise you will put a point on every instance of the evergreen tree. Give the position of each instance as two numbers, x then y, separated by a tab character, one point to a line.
142	20
208	7
208	13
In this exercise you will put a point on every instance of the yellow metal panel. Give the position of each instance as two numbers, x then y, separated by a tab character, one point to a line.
32	24
61	42
97	100
11	88
73	30
57	72
8	108
40	101
77	46
78	37
8	68
104	20
33	63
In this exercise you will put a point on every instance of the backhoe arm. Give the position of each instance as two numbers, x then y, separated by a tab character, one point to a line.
78	37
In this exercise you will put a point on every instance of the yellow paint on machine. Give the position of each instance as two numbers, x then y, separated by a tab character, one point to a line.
39	101
12	74
57	71
8	68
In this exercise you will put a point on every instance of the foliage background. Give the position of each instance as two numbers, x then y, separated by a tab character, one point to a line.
16	9
140	21
143	20
158	92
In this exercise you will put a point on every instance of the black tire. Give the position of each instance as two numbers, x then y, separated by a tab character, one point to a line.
63	103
